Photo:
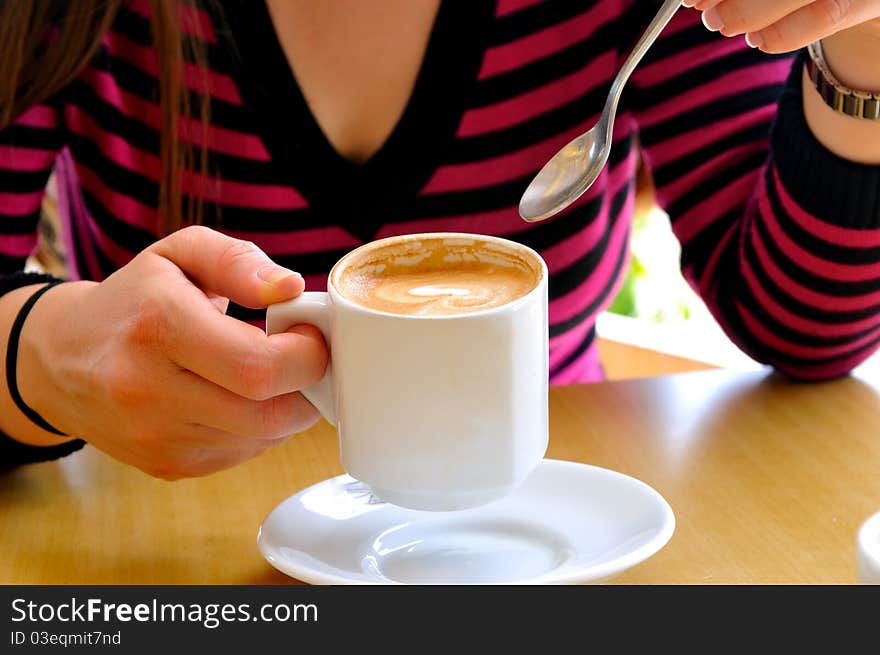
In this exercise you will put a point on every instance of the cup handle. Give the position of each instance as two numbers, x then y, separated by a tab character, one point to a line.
314	308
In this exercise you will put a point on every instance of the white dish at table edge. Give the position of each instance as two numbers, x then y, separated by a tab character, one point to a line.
868	551
568	523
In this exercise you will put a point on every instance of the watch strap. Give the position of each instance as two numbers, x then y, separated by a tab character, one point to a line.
850	102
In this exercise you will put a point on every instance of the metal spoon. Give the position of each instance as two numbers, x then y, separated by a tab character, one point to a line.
574	168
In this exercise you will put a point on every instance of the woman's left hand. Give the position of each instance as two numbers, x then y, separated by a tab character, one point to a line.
777	26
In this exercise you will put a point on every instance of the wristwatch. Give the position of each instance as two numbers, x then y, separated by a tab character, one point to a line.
858	104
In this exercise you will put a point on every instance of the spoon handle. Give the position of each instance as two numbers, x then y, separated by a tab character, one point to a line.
661	20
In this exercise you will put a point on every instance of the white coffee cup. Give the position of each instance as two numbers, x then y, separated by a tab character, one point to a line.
439	412
868	550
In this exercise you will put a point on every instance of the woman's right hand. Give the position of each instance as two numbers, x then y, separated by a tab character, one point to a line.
147	367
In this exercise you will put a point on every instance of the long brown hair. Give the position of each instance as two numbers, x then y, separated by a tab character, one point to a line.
45	44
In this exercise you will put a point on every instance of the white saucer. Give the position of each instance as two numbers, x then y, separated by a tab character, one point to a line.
567	523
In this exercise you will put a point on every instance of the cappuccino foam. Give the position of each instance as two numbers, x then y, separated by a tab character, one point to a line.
435	276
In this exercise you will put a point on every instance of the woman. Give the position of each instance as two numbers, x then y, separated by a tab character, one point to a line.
301	129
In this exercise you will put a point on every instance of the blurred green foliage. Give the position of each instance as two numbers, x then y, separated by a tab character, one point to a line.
653	288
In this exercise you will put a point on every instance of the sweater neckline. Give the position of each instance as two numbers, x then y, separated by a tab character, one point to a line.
361	196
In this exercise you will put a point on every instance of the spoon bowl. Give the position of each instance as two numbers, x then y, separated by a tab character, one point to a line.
568	175
573	169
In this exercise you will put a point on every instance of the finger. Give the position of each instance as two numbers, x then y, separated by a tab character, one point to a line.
238	356
703	5
239	421
186	458
195	463
233	354
193	438
818	20
119	449
211	461
732	17
232	268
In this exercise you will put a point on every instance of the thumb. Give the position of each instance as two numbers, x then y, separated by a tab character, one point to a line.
228	267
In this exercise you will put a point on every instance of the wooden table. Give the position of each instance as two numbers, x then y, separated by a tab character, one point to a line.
768	479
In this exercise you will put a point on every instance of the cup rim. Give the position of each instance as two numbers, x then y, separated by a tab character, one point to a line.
507	243
869	540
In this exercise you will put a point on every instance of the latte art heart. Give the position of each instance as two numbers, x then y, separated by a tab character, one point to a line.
436	278
424	294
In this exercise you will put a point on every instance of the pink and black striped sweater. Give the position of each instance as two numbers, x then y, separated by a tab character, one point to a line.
779	236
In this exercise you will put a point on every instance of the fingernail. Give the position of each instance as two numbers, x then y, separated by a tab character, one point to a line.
754	39
712	20
689	3
275	274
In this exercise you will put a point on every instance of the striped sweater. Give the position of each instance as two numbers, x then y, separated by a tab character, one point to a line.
780	237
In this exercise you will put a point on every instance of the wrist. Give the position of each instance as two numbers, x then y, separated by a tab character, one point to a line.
852	57
15	424
44	342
